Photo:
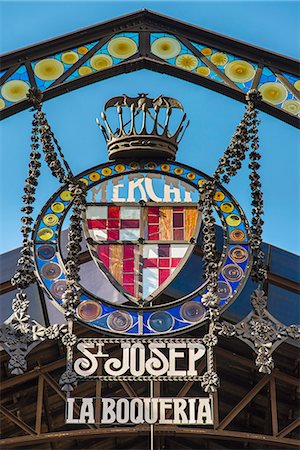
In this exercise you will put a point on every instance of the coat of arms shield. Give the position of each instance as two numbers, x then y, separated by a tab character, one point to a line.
141	246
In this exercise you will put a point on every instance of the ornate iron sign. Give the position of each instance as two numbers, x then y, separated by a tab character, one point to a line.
142	215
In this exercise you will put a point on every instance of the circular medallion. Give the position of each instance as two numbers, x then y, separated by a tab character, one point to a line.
89	310
224	290
119	321
46	252
161	321
51	271
232	272
237	235
192	311
160	248
58	288
238	254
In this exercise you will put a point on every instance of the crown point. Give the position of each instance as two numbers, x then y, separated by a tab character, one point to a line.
126	141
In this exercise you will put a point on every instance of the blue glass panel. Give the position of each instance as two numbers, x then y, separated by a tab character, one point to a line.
285	264
284	305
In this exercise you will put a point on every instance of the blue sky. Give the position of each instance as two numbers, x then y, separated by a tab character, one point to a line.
272	25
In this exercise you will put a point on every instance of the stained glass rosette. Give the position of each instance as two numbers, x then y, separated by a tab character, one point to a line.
130	319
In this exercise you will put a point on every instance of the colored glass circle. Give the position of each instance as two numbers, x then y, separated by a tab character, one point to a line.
227	207
119	321
219	196
66	196
134	165
239	71
85	70
297	85
82	50
161	321
101	62
224	290
14	90
233	220
58	288
274	93
291	106
45	234
106	171
57	207
201	182
2	103
49	69
237	235
85	181
219	59
94	176
203	71
151	165
206	51
89	310
192	311
51	271
122	47
186	61
69	57
238	254
166	47
165	167
232	272
46	252
119	168
191	176
178	171
50	220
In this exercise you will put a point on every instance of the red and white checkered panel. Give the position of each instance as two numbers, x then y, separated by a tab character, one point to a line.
159	262
113	223
141	268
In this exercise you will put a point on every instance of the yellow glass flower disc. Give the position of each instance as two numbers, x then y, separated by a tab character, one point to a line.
50	220
297	85
227	207
57	207
45	234
206	51
239	71
274	93
203	71
2	103
186	61
122	47
292	106
100	62
84	70
166	47
219	196
82	50
219	59
94	176
233	220
69	57
14	90
66	196
49	69
119	168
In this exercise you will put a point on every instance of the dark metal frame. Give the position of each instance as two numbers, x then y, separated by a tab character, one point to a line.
144	22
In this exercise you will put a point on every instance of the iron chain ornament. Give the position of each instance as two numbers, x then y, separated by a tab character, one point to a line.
259	329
